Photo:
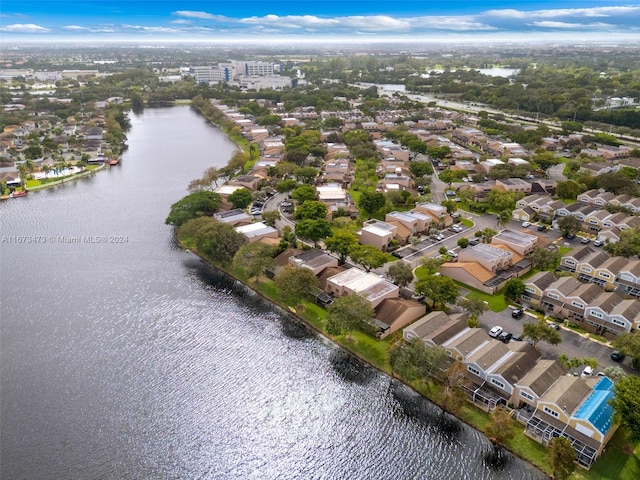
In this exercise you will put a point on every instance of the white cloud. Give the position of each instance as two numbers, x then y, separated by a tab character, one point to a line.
565	12
181	21
75	27
24	28
552	24
200	15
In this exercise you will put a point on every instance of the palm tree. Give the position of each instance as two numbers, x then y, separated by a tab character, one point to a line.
504	218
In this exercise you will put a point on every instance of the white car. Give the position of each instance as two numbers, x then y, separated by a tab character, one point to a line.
451	253
588	371
526	224
495	331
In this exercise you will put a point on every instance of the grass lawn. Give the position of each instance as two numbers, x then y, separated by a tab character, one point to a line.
466	222
615	463
497	302
564	250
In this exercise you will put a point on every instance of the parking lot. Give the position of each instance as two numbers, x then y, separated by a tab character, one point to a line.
573	345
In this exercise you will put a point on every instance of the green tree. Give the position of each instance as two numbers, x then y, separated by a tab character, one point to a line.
453	397
562	457
416	361
569	224
504	218
463	242
474	306
614	372
294	284
629	344
270	217
287	185
367	256
545	259
400	273
500	201
628	245
430	264
341	243
311	210
370	203
487	234
626	404
348	313
304	193
420	169
569	189
306	174
545	159
538	331
254	259
448	177
241	198
450	205
501	426
313	230
513	288
193	205
215	240
438	288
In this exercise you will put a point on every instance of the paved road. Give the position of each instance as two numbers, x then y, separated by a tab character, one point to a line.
573	344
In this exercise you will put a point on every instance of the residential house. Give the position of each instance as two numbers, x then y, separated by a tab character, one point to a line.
535	383
535	286
520	242
251	182
610	313
576	302
315	260
234	217
435	328
259	231
392	314
415	221
513	185
465	342
366	284
377	234
628	279
578	410
555	295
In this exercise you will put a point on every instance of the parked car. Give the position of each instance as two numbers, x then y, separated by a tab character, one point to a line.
617	356
588	371
504	337
516	338
517	313
570	236
452	254
584	240
439	237
553	325
597	243
526	224
542	228
495	331
474	241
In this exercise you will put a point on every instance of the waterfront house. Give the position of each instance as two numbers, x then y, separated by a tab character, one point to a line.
435	328
234	217
392	314
259	231
366	284
578	410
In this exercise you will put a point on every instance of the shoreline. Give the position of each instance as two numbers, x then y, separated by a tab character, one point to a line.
292	313
62	181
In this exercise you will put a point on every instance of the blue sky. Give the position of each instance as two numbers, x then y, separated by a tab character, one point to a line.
307	21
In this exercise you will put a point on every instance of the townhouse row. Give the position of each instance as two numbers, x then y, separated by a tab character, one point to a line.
548	400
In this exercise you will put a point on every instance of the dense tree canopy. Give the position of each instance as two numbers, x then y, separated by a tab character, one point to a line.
193	205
